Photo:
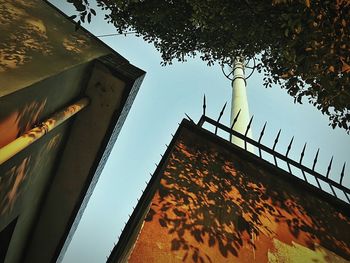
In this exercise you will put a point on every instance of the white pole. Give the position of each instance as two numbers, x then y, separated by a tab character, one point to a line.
240	103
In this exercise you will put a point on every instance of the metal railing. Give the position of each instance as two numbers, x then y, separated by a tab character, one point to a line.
333	185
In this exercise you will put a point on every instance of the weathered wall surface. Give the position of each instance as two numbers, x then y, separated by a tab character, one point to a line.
37	42
214	206
85	140
28	170
21	110
46	65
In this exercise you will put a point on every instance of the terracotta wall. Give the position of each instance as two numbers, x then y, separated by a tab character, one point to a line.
213	206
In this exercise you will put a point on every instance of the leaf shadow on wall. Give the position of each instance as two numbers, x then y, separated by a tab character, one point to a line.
209	198
33	32
15	120
21	173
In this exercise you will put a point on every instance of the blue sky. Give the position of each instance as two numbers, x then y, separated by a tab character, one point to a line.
165	95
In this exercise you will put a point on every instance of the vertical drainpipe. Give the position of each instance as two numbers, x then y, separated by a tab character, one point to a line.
240	103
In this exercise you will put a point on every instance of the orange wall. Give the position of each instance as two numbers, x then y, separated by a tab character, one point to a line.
212	206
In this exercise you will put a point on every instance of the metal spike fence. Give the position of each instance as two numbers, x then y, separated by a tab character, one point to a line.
333	185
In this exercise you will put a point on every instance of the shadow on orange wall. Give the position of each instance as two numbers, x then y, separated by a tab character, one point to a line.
19	121
212	206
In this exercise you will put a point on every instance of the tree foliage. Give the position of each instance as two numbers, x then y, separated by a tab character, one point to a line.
302	45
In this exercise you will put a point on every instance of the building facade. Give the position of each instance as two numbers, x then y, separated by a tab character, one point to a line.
64	96
211	201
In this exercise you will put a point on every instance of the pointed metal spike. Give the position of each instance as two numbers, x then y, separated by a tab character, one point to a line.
302	154
315	160
342	173
262	132
248	127
223	109
188	117
235	119
204	105
289	146
329	167
260	137
246	132
220	115
276	140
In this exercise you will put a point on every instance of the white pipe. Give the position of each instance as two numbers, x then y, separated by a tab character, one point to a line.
240	103
36	133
